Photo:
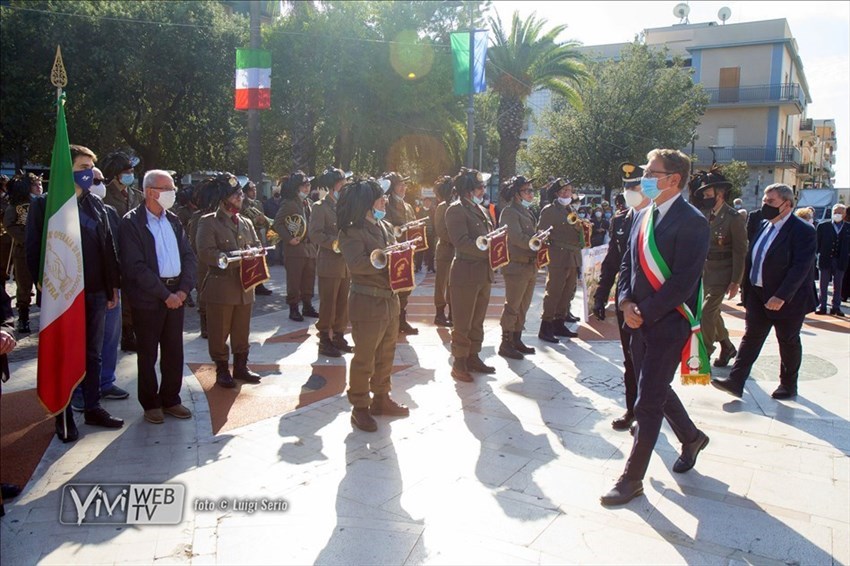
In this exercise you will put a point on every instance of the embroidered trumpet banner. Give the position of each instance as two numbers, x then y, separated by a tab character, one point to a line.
499	251
542	259
253	271
418	232
400	263
695	368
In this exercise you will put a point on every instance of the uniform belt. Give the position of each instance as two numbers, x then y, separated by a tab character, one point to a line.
469	257
719	255
170	281
371	291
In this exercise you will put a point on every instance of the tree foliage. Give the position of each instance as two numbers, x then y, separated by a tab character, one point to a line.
737	173
633	105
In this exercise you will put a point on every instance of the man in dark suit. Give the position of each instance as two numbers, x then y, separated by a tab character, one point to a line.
778	292
833	257
677	233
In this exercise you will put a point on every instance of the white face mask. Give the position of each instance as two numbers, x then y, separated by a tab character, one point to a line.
633	198
837	217
98	190
166	199
564	201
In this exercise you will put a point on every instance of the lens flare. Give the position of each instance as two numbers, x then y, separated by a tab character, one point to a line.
411	56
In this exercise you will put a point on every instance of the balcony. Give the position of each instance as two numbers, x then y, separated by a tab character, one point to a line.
753	155
758	95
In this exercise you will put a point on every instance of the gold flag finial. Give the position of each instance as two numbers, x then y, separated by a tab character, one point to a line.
58	77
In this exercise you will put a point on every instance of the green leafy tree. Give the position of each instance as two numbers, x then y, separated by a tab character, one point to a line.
737	173
633	105
522	59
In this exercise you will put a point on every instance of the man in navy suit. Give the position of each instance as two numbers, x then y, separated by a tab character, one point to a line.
778	292
833	257
659	331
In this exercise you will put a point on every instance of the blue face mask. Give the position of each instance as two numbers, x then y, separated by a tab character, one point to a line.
84	178
607	215
379	214
477	200
526	203
649	186
127	179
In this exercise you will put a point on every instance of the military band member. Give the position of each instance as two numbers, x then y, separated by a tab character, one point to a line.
521	273
621	226
727	255
471	276
299	256
15	223
565	242
206	197
373	306
252	209
445	253
334	277
398	213
228	305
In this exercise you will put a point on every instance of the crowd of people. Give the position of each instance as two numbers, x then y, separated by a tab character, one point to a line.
675	261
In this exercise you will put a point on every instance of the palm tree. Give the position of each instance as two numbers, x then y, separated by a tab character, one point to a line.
519	63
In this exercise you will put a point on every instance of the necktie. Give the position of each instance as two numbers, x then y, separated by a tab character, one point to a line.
655	212
760	255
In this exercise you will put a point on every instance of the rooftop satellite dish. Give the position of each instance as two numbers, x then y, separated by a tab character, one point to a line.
724	14
681	11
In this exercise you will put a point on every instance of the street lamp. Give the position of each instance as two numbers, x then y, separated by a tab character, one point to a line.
713	148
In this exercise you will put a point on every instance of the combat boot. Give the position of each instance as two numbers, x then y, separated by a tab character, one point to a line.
23	326
203	318
522	348
222	375
460	371
308	310
242	371
361	418
326	347
727	354
559	328
403	326
507	348
440	319
385	405
294	314
474	363
546	333
340	343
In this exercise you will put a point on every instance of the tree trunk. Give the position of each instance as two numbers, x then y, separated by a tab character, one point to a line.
303	143
511	114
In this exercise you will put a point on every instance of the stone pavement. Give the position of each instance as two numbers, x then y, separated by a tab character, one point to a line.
507	470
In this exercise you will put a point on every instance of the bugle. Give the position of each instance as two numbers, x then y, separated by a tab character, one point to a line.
539	239
378	258
226	258
398	231
483	242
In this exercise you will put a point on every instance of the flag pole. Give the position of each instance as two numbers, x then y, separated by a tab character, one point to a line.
470	108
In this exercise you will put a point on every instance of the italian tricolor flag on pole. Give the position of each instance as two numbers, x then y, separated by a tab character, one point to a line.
253	79
62	339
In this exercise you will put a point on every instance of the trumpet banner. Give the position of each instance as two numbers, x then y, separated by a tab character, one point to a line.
542	259
253	271
420	231
400	265
499	255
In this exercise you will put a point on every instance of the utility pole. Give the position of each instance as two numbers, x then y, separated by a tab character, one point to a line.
470	108
255	155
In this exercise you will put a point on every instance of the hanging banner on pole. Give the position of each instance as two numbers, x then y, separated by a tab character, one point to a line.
253	79
463	82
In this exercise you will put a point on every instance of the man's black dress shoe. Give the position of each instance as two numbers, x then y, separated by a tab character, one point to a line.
837	312
66	433
729	386
784	392
262	290
624	422
101	417
623	491
820	311
690	451
727	354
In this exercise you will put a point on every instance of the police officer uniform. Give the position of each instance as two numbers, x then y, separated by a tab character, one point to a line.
470	279
727	255
443	257
300	258
521	273
334	277
228	305
400	212
565	242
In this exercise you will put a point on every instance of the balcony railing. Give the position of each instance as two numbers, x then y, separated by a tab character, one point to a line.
788	92
751	154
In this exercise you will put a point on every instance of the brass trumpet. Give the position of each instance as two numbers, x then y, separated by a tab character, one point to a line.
483	242
335	246
398	231
378	258
539	239
226	258
572	218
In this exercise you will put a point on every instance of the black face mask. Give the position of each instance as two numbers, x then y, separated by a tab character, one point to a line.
707	203
769	212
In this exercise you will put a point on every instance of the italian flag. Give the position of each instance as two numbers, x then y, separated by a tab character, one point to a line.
253	79
62	339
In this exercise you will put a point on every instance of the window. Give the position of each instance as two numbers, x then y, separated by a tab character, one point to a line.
730	80
726	137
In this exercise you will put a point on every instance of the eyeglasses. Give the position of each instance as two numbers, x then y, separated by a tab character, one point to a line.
97	181
650	173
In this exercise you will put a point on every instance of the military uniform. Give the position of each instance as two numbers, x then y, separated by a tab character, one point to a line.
443	261
374	312
252	209
228	305
15	223
727	254
300	259
184	213
399	212
5	238
334	277
470	278
565	243
202	268
521	273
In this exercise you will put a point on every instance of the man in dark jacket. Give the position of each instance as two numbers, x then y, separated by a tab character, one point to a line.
833	257
158	267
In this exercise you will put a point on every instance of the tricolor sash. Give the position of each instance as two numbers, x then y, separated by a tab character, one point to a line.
695	368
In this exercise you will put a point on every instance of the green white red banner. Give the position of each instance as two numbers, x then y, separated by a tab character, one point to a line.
253	79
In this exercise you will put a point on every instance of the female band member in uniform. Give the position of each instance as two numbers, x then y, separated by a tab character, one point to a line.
521	273
564	260
334	277
471	276
373	307
398	213
299	256
229	306
445	253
